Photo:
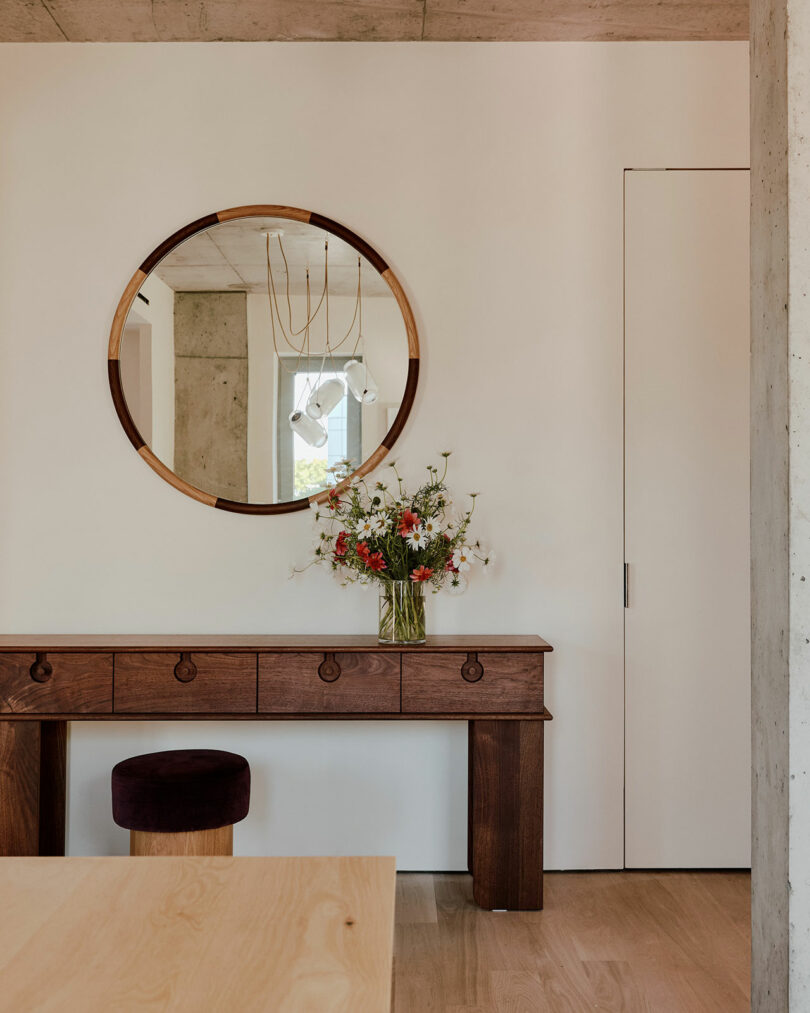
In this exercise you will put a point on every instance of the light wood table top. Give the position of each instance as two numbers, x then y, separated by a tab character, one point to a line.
219	934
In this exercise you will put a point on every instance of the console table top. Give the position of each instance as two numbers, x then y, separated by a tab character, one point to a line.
254	642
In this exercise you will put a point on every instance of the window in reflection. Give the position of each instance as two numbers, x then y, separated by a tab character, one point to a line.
303	470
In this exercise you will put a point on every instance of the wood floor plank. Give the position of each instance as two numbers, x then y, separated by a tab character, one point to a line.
694	937
565	985
420	957
615	986
716	930
672	989
465	979
416	899
514	991
639	942
730	893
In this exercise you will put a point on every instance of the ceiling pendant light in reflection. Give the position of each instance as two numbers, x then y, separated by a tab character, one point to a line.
361	382
309	423
308	429
325	398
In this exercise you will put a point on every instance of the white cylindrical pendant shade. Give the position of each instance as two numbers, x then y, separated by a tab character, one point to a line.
308	429
325	399
361	382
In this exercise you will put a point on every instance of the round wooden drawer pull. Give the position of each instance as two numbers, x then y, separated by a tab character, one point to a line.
329	669
185	670
42	669
472	670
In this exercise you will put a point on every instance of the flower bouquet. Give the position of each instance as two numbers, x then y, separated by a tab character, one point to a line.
402	541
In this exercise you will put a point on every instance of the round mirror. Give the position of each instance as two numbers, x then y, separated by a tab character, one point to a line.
258	350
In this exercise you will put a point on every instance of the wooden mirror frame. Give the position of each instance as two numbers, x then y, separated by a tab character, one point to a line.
154	258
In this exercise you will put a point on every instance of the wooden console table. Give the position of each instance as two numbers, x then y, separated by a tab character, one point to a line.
494	683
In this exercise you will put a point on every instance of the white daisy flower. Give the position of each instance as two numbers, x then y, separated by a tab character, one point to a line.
462	558
366	528
378	523
431	528
487	559
457	584
416	539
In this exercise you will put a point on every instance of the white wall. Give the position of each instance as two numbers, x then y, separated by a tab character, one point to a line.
490	177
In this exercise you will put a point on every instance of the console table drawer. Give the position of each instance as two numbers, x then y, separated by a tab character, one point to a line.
188	683
476	683
335	683
47	683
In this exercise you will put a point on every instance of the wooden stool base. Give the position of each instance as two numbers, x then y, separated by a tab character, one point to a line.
192	843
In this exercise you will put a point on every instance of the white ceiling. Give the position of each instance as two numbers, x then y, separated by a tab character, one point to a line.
232	256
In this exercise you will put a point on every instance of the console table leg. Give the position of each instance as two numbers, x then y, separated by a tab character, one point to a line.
506	814
19	788
32	787
470	776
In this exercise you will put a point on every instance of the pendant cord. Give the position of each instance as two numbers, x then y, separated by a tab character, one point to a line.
275	314
309	320
274	306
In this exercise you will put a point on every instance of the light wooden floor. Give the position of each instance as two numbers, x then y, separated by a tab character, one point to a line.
668	942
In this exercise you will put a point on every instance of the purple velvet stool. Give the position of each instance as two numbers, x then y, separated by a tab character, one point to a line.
181	801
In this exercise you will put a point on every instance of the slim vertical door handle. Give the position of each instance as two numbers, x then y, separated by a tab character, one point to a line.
627	585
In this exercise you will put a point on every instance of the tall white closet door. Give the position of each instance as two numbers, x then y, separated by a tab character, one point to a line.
687	747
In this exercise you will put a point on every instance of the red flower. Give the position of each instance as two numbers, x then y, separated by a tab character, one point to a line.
340	543
407	522
333	500
421	573
362	550
450	566
376	562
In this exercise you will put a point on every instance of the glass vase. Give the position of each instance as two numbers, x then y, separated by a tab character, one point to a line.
402	613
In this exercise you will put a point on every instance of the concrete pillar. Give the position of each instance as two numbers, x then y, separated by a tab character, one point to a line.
780	502
211	391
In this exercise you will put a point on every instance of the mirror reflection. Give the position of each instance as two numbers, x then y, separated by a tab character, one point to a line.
258	354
